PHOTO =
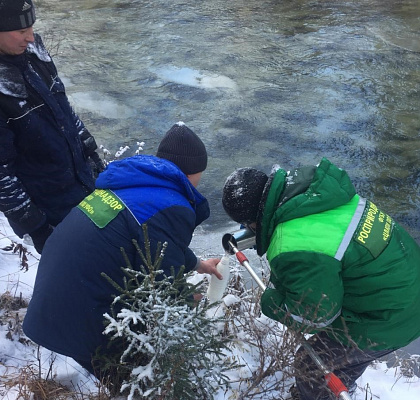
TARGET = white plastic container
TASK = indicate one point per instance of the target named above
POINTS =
(217, 287)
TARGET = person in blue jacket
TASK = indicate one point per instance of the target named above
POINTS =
(48, 160)
(70, 298)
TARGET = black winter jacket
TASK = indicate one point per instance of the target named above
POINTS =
(44, 147)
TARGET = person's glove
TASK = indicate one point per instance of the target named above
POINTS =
(40, 236)
(96, 164)
(88, 142)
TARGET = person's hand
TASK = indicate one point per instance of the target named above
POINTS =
(40, 236)
(209, 267)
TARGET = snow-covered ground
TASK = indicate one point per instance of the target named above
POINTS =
(378, 382)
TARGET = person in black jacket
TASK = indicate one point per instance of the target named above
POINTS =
(70, 298)
(48, 159)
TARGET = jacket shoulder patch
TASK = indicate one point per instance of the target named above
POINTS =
(101, 206)
(374, 230)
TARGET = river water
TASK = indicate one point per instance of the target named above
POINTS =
(262, 82)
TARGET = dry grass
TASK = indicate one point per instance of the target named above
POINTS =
(30, 382)
(8, 302)
(27, 384)
(10, 316)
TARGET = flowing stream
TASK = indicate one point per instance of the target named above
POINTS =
(262, 82)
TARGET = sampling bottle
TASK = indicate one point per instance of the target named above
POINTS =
(217, 287)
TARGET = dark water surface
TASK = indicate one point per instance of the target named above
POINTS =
(262, 82)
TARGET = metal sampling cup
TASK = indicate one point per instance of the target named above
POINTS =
(242, 240)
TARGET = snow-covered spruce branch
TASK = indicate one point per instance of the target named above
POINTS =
(172, 348)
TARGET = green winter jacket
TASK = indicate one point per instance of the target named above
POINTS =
(337, 261)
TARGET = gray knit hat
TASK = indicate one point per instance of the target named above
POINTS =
(184, 148)
(16, 15)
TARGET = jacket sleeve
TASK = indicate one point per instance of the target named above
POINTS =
(174, 226)
(190, 260)
(88, 141)
(15, 202)
(89, 148)
(307, 294)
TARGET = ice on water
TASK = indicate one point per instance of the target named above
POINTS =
(100, 104)
(191, 77)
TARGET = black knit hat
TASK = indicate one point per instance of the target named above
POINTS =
(184, 148)
(242, 194)
(16, 15)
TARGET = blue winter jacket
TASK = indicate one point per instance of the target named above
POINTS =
(44, 147)
(70, 296)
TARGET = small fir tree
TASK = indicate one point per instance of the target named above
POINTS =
(171, 347)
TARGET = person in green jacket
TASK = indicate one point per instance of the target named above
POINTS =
(341, 269)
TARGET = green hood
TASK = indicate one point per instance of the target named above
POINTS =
(314, 188)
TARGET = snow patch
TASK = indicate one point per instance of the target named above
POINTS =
(40, 51)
